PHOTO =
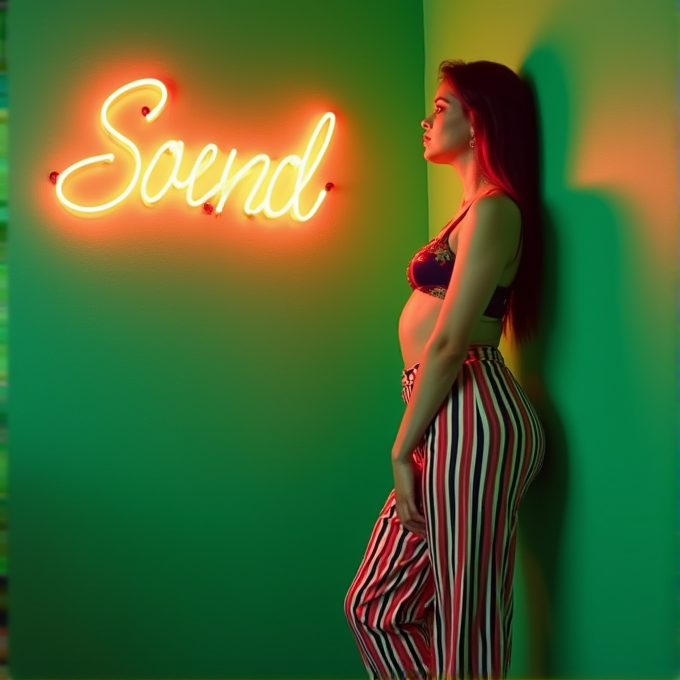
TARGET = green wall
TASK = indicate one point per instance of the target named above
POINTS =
(3, 339)
(202, 410)
(596, 588)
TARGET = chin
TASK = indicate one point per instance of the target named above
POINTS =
(439, 155)
(434, 158)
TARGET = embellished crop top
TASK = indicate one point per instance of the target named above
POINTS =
(431, 268)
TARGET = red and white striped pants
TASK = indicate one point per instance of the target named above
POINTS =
(441, 606)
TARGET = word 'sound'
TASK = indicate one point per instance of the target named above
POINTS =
(304, 167)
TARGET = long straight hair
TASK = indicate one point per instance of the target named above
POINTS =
(502, 111)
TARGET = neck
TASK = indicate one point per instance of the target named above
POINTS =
(474, 185)
(479, 191)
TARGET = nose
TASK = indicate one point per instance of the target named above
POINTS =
(425, 123)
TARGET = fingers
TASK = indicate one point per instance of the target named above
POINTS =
(416, 529)
(411, 518)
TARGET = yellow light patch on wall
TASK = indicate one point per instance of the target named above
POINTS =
(303, 168)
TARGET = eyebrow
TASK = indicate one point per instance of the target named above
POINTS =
(440, 99)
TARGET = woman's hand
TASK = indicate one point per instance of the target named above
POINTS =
(405, 496)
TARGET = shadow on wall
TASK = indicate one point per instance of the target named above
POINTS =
(601, 230)
(542, 513)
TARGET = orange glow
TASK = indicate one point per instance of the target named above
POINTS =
(303, 179)
(228, 185)
(304, 166)
(177, 150)
(124, 141)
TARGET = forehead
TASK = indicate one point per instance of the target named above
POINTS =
(444, 91)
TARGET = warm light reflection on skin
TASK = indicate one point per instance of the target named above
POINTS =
(304, 167)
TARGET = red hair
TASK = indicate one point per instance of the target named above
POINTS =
(500, 107)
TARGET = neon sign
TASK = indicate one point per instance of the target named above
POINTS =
(305, 166)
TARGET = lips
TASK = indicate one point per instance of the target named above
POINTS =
(426, 138)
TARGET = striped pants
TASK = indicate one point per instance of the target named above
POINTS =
(441, 606)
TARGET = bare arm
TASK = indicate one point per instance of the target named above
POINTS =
(485, 245)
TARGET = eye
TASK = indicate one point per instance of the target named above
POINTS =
(438, 109)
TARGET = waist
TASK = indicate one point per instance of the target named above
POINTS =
(474, 353)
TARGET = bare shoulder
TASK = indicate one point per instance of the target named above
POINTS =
(495, 219)
(500, 209)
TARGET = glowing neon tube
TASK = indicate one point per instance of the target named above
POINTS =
(304, 166)
(120, 139)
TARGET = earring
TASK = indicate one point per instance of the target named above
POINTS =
(472, 143)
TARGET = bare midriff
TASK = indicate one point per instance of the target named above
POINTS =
(421, 311)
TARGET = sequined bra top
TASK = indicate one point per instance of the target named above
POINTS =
(431, 268)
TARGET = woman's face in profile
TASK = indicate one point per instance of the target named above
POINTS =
(447, 130)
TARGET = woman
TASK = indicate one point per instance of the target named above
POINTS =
(433, 595)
